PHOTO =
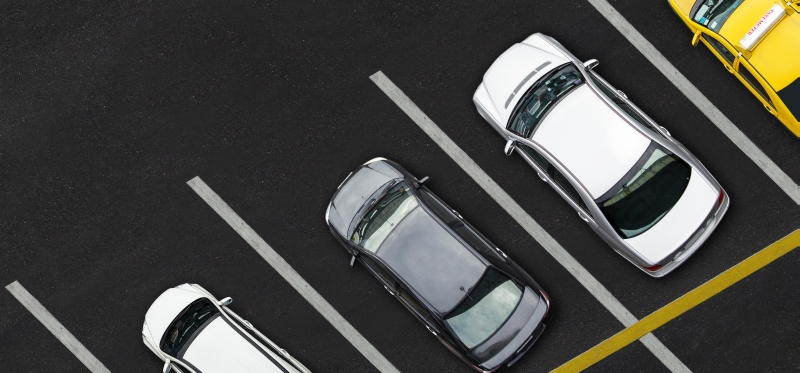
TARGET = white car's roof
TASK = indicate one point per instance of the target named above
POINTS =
(220, 348)
(514, 72)
(591, 140)
(164, 310)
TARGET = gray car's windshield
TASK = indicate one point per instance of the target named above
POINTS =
(714, 13)
(383, 216)
(542, 95)
(485, 308)
(649, 191)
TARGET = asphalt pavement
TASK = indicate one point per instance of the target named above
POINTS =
(107, 109)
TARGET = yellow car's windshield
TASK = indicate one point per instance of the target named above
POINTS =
(714, 13)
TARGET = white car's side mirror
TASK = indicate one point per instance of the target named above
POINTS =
(591, 64)
(510, 145)
(167, 367)
(225, 301)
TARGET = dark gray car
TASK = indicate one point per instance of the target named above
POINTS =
(479, 303)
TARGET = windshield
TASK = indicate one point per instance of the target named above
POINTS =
(181, 330)
(383, 216)
(647, 193)
(541, 97)
(485, 308)
(714, 13)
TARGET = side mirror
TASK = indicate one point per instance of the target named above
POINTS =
(419, 182)
(591, 64)
(353, 260)
(225, 301)
(510, 146)
(696, 37)
(167, 367)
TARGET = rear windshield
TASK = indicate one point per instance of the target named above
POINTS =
(714, 13)
(542, 96)
(646, 193)
(182, 329)
(485, 308)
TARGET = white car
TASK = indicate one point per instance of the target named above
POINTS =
(637, 187)
(191, 331)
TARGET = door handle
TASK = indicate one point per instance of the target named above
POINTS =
(583, 217)
(431, 330)
(769, 109)
(541, 176)
(587, 220)
(389, 290)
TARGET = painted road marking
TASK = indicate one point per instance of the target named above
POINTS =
(526, 221)
(695, 96)
(59, 331)
(679, 306)
(291, 276)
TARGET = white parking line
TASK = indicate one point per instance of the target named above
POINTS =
(695, 96)
(291, 276)
(55, 327)
(526, 221)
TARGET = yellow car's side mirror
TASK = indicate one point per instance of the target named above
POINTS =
(696, 37)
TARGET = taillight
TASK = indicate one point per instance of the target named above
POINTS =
(721, 197)
(654, 268)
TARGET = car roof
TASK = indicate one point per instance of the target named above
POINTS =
(591, 140)
(776, 55)
(219, 347)
(431, 260)
(166, 308)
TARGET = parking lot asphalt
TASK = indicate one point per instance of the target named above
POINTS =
(108, 109)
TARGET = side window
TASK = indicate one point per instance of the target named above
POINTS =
(439, 208)
(411, 300)
(475, 240)
(606, 90)
(379, 271)
(745, 73)
(541, 161)
(632, 112)
(724, 52)
(568, 188)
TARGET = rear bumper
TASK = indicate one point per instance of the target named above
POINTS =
(711, 225)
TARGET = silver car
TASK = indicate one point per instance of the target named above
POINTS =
(626, 177)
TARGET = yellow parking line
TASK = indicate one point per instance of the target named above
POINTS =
(682, 304)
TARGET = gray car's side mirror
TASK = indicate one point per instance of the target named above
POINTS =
(510, 146)
(591, 64)
(423, 180)
(225, 301)
(167, 367)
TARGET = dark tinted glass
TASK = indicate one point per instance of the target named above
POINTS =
(568, 188)
(541, 97)
(648, 195)
(541, 161)
(720, 48)
(197, 314)
(745, 73)
(485, 308)
(444, 212)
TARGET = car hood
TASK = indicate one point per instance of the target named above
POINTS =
(515, 333)
(677, 226)
(777, 54)
(351, 196)
(516, 70)
(221, 348)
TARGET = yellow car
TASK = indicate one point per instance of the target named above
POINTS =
(756, 40)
